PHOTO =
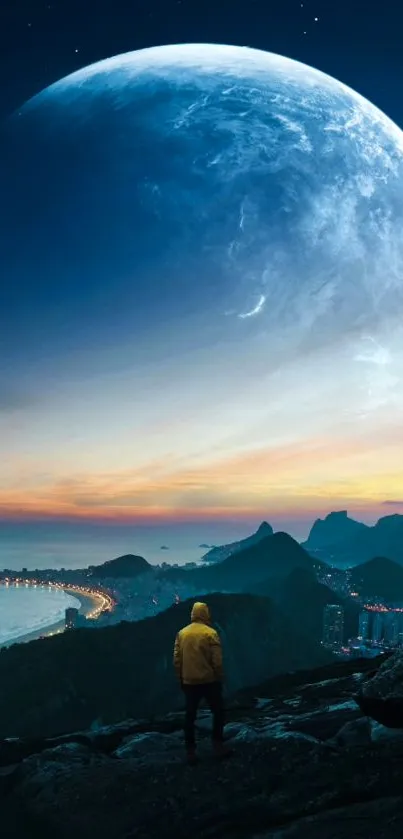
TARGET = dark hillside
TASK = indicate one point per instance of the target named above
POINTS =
(73, 680)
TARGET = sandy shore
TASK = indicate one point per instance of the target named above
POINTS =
(87, 604)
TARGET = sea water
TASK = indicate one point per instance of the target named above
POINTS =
(46, 545)
(25, 609)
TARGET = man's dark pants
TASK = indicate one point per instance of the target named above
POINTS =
(212, 693)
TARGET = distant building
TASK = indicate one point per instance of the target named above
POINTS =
(333, 626)
(364, 625)
(71, 618)
(392, 628)
(378, 627)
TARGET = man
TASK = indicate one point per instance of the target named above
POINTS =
(198, 666)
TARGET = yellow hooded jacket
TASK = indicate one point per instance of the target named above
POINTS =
(197, 650)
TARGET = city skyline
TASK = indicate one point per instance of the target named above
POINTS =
(138, 386)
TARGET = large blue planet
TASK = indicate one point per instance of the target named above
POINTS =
(206, 181)
(197, 215)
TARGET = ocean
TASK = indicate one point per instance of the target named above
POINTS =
(24, 609)
(60, 545)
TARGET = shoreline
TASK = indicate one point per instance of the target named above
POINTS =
(88, 603)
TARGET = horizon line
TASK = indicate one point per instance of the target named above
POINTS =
(244, 516)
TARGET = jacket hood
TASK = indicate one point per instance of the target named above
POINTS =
(201, 612)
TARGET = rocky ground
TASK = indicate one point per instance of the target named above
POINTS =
(306, 763)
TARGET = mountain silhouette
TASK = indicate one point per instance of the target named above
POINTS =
(303, 598)
(364, 542)
(128, 565)
(221, 552)
(380, 577)
(271, 557)
(336, 528)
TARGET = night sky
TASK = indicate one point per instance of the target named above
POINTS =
(109, 410)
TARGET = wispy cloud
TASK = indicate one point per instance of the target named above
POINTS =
(256, 310)
(316, 474)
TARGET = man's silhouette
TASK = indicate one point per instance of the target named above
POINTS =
(199, 668)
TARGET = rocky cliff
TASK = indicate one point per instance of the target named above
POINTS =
(334, 529)
(307, 764)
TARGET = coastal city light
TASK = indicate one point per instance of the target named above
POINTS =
(102, 601)
(106, 601)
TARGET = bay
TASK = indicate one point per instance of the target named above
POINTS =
(25, 609)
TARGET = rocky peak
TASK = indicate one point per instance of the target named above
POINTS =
(219, 553)
(333, 529)
(264, 529)
(394, 523)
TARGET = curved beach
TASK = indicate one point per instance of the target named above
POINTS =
(89, 605)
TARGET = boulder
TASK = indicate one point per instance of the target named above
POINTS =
(235, 729)
(387, 682)
(261, 703)
(14, 749)
(323, 722)
(49, 767)
(245, 734)
(151, 746)
(380, 733)
(381, 694)
(67, 755)
(353, 733)
(292, 735)
(388, 712)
